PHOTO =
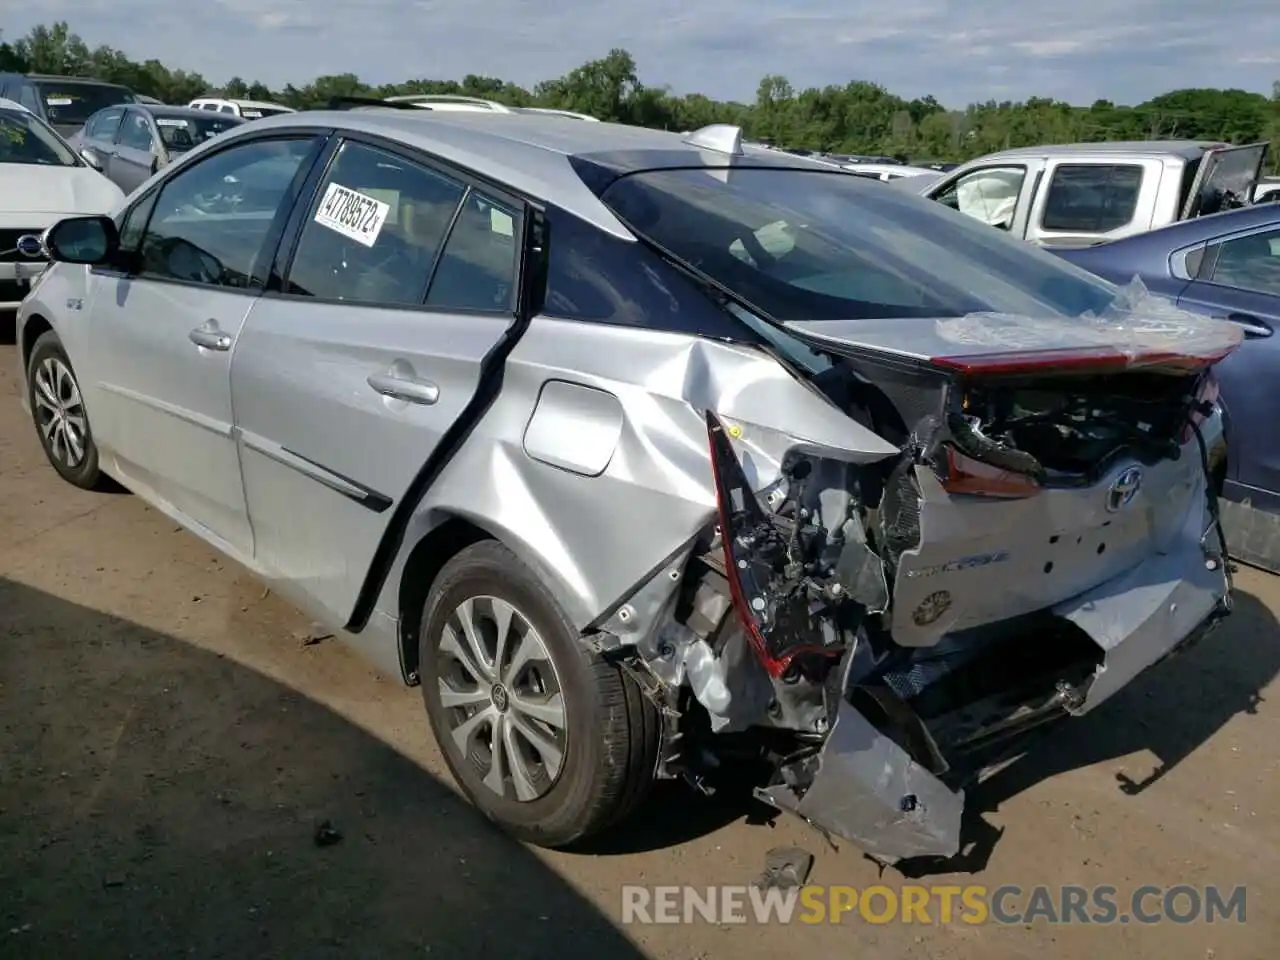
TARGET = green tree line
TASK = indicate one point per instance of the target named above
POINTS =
(860, 117)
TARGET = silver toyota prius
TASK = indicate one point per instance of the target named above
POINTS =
(649, 455)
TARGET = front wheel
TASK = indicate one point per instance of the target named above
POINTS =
(57, 407)
(545, 737)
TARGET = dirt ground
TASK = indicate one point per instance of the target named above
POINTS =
(169, 744)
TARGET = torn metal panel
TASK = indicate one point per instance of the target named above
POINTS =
(869, 791)
(733, 686)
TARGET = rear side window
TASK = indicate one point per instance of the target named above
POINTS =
(135, 132)
(1250, 263)
(477, 269)
(374, 231)
(1092, 198)
(103, 125)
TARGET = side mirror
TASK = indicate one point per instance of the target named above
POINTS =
(84, 240)
(90, 156)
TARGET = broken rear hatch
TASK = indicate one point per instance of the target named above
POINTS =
(1047, 456)
(1043, 530)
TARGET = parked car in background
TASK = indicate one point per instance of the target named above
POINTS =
(1085, 193)
(456, 102)
(42, 180)
(65, 103)
(1267, 190)
(647, 455)
(244, 109)
(129, 143)
(1225, 266)
(887, 171)
(139, 98)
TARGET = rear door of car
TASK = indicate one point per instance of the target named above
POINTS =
(1237, 278)
(1224, 178)
(398, 282)
(1083, 200)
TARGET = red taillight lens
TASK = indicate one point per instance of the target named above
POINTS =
(1075, 361)
(741, 514)
(965, 475)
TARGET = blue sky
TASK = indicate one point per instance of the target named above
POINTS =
(1078, 50)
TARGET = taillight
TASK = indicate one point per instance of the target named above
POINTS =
(963, 474)
(1077, 360)
(743, 518)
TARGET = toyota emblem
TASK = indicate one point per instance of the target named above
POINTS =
(1121, 493)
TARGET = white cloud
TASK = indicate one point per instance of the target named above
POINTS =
(1079, 51)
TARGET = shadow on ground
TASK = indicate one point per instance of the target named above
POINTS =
(1170, 711)
(157, 800)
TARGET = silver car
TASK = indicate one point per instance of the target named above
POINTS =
(648, 455)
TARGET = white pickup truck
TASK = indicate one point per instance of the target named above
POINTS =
(1086, 193)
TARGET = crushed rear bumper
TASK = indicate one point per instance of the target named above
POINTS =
(869, 790)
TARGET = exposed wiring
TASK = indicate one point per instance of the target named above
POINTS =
(1211, 497)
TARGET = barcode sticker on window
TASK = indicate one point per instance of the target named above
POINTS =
(352, 214)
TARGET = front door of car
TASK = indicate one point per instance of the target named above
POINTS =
(1238, 280)
(134, 159)
(998, 194)
(403, 279)
(164, 323)
(99, 135)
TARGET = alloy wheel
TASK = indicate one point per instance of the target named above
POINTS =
(59, 412)
(502, 698)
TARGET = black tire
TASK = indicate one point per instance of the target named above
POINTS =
(611, 733)
(84, 472)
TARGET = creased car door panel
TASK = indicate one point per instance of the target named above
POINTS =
(337, 408)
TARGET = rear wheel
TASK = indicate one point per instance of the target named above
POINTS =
(546, 738)
(57, 407)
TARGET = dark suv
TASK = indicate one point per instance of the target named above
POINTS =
(65, 103)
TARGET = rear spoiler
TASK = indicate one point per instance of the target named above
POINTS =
(354, 103)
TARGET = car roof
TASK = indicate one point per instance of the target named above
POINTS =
(163, 110)
(242, 103)
(538, 155)
(7, 104)
(1185, 232)
(80, 80)
(1186, 149)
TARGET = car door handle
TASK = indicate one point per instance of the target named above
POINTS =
(1253, 327)
(409, 389)
(210, 337)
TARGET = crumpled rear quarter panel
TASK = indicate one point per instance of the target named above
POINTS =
(594, 538)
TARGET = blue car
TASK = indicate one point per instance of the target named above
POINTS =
(1226, 265)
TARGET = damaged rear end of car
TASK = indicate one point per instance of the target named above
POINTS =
(882, 630)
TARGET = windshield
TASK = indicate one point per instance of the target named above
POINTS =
(811, 245)
(71, 102)
(184, 132)
(25, 139)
